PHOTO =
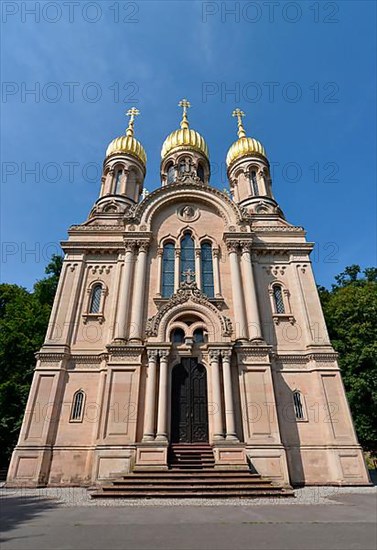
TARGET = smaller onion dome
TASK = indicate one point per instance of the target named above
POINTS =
(128, 143)
(244, 146)
(185, 137)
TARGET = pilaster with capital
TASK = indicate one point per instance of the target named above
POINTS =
(230, 424)
(218, 430)
(160, 254)
(150, 393)
(177, 263)
(251, 299)
(198, 271)
(139, 291)
(216, 272)
(238, 298)
(162, 415)
(124, 301)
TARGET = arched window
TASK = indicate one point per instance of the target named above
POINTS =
(95, 298)
(198, 336)
(200, 172)
(77, 408)
(168, 270)
(170, 173)
(182, 166)
(298, 405)
(187, 255)
(207, 270)
(178, 336)
(278, 299)
(118, 181)
(254, 182)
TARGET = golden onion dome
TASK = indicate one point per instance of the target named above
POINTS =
(244, 145)
(184, 137)
(128, 143)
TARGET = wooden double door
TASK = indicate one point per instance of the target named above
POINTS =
(189, 415)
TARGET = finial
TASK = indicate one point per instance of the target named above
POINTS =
(185, 104)
(239, 114)
(131, 113)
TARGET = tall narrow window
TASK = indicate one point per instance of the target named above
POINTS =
(182, 166)
(297, 402)
(200, 172)
(254, 182)
(177, 336)
(168, 270)
(95, 299)
(207, 270)
(278, 299)
(187, 255)
(170, 174)
(77, 405)
(118, 181)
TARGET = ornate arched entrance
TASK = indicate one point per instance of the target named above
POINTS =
(189, 414)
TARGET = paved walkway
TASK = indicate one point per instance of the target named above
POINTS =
(320, 518)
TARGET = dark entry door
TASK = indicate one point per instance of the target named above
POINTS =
(189, 402)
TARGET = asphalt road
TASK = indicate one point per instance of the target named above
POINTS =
(34, 523)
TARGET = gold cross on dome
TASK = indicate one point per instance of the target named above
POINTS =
(185, 104)
(239, 114)
(131, 113)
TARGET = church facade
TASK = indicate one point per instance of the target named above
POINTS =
(187, 315)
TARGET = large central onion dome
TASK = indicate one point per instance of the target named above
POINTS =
(184, 138)
(244, 146)
(128, 143)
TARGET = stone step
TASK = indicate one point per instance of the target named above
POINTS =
(282, 493)
(187, 474)
(192, 487)
(191, 481)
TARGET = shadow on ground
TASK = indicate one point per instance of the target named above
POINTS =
(15, 510)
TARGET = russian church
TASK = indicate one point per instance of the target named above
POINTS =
(187, 335)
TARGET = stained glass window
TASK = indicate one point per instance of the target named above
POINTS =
(95, 300)
(207, 270)
(168, 270)
(278, 299)
(187, 255)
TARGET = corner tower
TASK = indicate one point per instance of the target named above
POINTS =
(184, 153)
(124, 169)
(248, 172)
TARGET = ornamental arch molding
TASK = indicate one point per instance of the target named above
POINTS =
(217, 325)
(216, 200)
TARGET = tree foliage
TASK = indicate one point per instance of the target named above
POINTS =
(23, 321)
(350, 310)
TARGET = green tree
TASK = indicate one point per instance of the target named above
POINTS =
(23, 322)
(350, 310)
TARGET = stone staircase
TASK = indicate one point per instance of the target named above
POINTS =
(192, 474)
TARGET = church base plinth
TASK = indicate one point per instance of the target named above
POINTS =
(152, 455)
(229, 455)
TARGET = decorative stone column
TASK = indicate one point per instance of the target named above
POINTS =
(160, 254)
(162, 418)
(218, 432)
(252, 311)
(177, 266)
(124, 302)
(216, 272)
(198, 270)
(150, 394)
(139, 292)
(238, 302)
(228, 397)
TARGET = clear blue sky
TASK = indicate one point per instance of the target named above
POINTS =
(304, 73)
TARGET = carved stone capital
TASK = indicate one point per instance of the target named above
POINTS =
(245, 247)
(130, 245)
(232, 247)
(214, 355)
(152, 355)
(143, 245)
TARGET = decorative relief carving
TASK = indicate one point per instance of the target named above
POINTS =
(275, 270)
(100, 269)
(188, 213)
(187, 291)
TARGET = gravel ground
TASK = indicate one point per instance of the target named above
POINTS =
(77, 496)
